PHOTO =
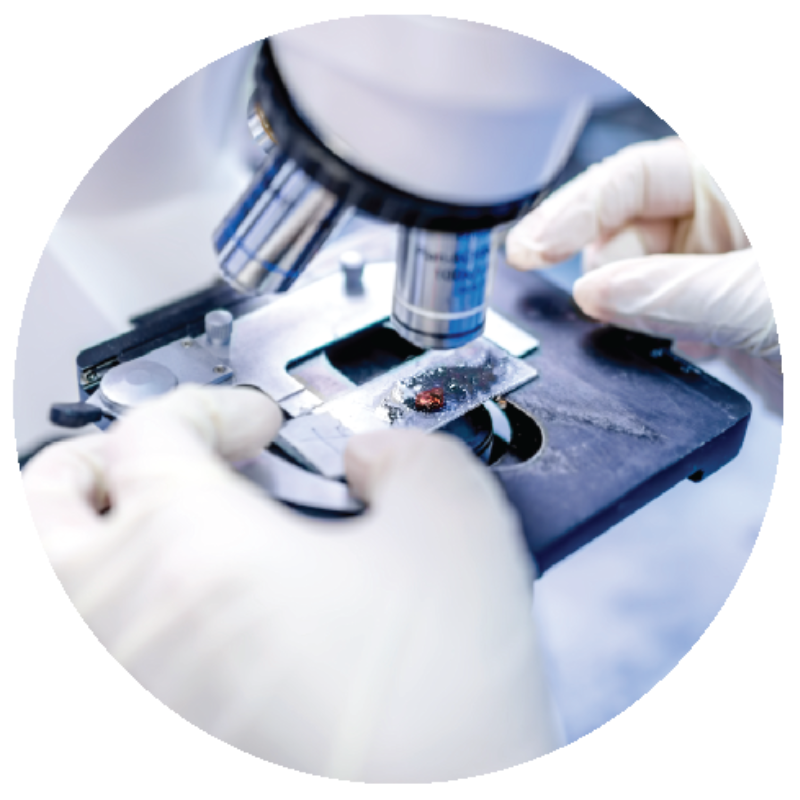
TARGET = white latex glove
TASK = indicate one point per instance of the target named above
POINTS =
(398, 646)
(663, 254)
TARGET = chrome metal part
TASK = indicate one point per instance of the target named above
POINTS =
(219, 326)
(185, 361)
(275, 228)
(442, 286)
(219, 330)
(301, 403)
(259, 127)
(130, 384)
(266, 342)
(321, 378)
(318, 442)
(352, 265)
(298, 486)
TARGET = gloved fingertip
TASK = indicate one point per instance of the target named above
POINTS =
(523, 252)
(367, 454)
(590, 293)
(251, 420)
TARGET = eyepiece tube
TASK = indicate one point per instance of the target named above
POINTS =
(442, 286)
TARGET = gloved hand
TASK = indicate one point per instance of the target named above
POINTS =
(663, 254)
(397, 646)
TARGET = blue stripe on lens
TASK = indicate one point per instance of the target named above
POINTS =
(247, 202)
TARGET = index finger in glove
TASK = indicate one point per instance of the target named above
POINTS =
(182, 439)
(648, 181)
(720, 300)
(643, 238)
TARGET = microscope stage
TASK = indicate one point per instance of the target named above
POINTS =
(581, 423)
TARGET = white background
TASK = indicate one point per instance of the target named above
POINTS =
(74, 75)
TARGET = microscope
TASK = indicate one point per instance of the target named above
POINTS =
(450, 135)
